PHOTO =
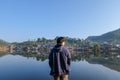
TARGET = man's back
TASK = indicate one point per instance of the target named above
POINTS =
(59, 60)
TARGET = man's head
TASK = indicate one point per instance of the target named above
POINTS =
(61, 40)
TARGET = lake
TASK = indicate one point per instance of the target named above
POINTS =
(20, 67)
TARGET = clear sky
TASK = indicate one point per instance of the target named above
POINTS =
(22, 20)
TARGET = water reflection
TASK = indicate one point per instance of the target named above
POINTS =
(34, 66)
(38, 57)
(109, 61)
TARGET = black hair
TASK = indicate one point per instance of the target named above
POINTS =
(60, 40)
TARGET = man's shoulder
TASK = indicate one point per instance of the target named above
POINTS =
(64, 48)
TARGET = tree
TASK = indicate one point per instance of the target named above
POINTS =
(38, 40)
(44, 40)
(96, 49)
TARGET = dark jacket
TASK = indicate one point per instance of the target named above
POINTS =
(59, 60)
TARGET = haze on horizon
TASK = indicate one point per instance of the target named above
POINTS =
(21, 20)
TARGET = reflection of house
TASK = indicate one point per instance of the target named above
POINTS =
(31, 49)
(113, 63)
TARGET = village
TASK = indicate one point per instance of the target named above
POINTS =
(43, 46)
(45, 49)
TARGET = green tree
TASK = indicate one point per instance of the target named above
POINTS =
(96, 49)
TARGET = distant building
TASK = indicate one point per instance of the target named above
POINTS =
(4, 48)
(11, 48)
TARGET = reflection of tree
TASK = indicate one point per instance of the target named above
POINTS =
(108, 61)
(112, 63)
(2, 54)
(76, 57)
(39, 57)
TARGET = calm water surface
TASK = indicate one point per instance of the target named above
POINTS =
(16, 67)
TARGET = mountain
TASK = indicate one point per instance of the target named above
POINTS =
(111, 37)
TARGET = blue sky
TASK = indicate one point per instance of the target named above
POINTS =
(22, 20)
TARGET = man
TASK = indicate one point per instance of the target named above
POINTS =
(59, 60)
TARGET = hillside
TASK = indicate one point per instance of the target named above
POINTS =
(111, 37)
